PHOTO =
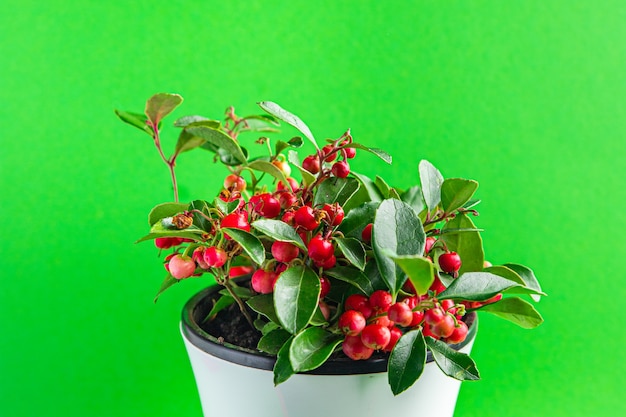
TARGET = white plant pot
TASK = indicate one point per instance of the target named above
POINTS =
(234, 383)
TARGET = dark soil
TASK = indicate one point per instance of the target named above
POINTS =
(231, 326)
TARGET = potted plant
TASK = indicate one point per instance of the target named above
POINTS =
(333, 279)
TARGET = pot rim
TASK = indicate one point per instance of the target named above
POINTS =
(255, 359)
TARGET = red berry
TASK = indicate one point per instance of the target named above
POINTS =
(383, 320)
(265, 205)
(215, 257)
(312, 164)
(349, 153)
(288, 217)
(263, 281)
(418, 317)
(351, 322)
(366, 234)
(340, 169)
(426, 331)
(320, 249)
(181, 266)
(430, 241)
(493, 299)
(334, 214)
(293, 185)
(396, 334)
(437, 286)
(328, 153)
(401, 314)
(284, 251)
(198, 256)
(238, 271)
(325, 286)
(327, 263)
(305, 218)
(450, 262)
(447, 305)
(354, 348)
(163, 242)
(444, 327)
(434, 315)
(360, 303)
(234, 182)
(375, 336)
(459, 334)
(236, 220)
(380, 301)
(325, 309)
(287, 200)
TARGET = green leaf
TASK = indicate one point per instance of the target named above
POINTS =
(455, 364)
(351, 276)
(273, 341)
(476, 286)
(295, 142)
(296, 294)
(528, 276)
(279, 230)
(264, 304)
(268, 168)
(226, 157)
(335, 190)
(220, 139)
(508, 273)
(197, 121)
(431, 181)
(260, 123)
(289, 118)
(226, 207)
(353, 250)
(135, 119)
(455, 192)
(382, 186)
(370, 186)
(407, 361)
(471, 203)
(397, 229)
(222, 302)
(157, 230)
(250, 244)
(167, 282)
(515, 310)
(421, 271)
(357, 218)
(378, 152)
(307, 177)
(413, 197)
(469, 245)
(164, 210)
(187, 142)
(282, 368)
(311, 348)
(160, 105)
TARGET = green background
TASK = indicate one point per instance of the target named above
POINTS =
(527, 97)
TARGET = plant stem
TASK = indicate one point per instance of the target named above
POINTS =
(239, 301)
(171, 162)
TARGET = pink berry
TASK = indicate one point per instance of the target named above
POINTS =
(284, 251)
(354, 348)
(181, 266)
(380, 301)
(263, 281)
(360, 303)
(459, 334)
(401, 314)
(396, 334)
(351, 322)
(215, 257)
(375, 336)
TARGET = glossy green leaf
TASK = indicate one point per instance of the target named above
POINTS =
(260, 123)
(279, 230)
(431, 181)
(353, 250)
(264, 304)
(515, 310)
(455, 192)
(476, 286)
(187, 142)
(295, 142)
(226, 157)
(382, 186)
(356, 219)
(289, 118)
(528, 276)
(311, 348)
(160, 105)
(250, 244)
(226, 207)
(157, 230)
(197, 120)
(508, 273)
(352, 276)
(470, 204)
(220, 139)
(273, 341)
(398, 230)
(268, 168)
(164, 210)
(307, 177)
(421, 271)
(296, 294)
(335, 190)
(406, 362)
(167, 282)
(370, 186)
(221, 303)
(469, 245)
(135, 119)
(453, 363)
(413, 197)
(282, 368)
(378, 152)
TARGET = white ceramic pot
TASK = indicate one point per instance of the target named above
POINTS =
(239, 383)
